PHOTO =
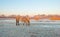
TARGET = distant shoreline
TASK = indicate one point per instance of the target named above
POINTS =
(6, 18)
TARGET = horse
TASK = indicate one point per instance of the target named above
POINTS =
(23, 19)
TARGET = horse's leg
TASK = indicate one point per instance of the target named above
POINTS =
(17, 22)
(23, 23)
(28, 22)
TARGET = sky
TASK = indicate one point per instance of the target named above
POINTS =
(29, 7)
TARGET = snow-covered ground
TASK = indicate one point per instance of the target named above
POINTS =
(39, 28)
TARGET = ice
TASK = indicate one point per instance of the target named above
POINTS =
(8, 28)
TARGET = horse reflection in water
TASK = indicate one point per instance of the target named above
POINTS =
(24, 19)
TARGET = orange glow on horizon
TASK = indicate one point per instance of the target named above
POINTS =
(54, 18)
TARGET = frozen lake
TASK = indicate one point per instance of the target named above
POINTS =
(8, 28)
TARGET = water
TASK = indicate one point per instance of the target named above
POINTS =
(8, 28)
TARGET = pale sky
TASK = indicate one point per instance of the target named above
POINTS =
(29, 7)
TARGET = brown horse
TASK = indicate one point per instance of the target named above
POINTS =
(22, 19)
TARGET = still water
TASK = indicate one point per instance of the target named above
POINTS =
(8, 28)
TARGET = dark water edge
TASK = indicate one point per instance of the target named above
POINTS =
(8, 28)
